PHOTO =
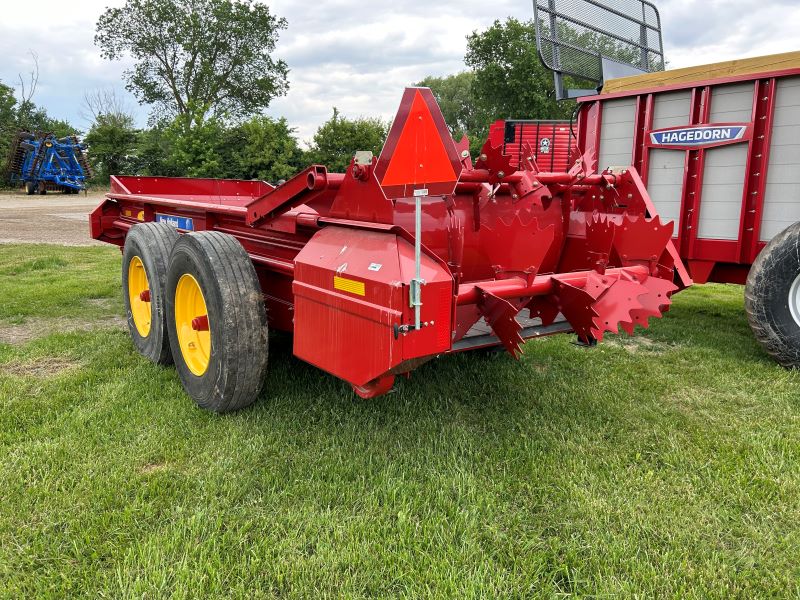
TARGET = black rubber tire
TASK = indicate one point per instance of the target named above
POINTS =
(766, 297)
(30, 188)
(237, 319)
(42, 188)
(152, 243)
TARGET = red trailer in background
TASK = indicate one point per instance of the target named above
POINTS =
(718, 148)
(715, 145)
(552, 142)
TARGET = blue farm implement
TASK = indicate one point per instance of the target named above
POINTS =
(42, 162)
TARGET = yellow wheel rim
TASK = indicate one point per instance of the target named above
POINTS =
(191, 323)
(139, 296)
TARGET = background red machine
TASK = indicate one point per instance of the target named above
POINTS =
(404, 257)
(736, 186)
(715, 145)
(552, 142)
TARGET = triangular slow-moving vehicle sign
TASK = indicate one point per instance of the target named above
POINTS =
(419, 154)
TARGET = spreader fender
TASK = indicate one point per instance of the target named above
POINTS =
(353, 317)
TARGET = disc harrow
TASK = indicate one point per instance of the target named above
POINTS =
(41, 162)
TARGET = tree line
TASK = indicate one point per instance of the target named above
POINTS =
(206, 70)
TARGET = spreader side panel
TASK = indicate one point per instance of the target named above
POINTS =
(352, 303)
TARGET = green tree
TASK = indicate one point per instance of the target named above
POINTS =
(198, 152)
(7, 103)
(263, 148)
(339, 138)
(259, 148)
(153, 155)
(456, 99)
(510, 80)
(197, 59)
(8, 120)
(33, 118)
(112, 143)
(463, 114)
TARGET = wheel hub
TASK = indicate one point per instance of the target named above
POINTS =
(794, 300)
(191, 324)
(139, 296)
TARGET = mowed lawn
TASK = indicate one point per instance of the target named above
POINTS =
(661, 466)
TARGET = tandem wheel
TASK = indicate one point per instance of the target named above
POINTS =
(145, 258)
(217, 321)
(772, 297)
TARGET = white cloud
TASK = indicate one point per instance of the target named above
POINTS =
(717, 30)
(358, 56)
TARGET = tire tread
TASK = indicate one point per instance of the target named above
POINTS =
(245, 339)
(766, 293)
(157, 241)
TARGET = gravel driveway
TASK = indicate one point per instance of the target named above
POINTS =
(53, 218)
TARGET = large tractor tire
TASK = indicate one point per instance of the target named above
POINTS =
(217, 321)
(772, 297)
(145, 259)
(42, 188)
(30, 188)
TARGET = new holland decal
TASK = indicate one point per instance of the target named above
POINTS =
(184, 223)
(701, 135)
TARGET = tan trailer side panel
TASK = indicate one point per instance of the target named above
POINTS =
(666, 171)
(782, 193)
(724, 172)
(616, 133)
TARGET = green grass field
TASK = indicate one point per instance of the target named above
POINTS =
(661, 466)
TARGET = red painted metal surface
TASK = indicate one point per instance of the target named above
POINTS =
(348, 292)
(552, 142)
(694, 167)
(708, 259)
(643, 124)
(590, 121)
(232, 192)
(520, 252)
(756, 169)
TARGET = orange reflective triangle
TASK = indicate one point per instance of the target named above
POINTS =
(420, 156)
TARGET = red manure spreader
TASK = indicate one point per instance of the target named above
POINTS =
(402, 258)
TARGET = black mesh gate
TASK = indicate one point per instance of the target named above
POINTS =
(587, 38)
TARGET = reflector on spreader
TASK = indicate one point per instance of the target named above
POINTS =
(419, 152)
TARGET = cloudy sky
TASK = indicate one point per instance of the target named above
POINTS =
(358, 55)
